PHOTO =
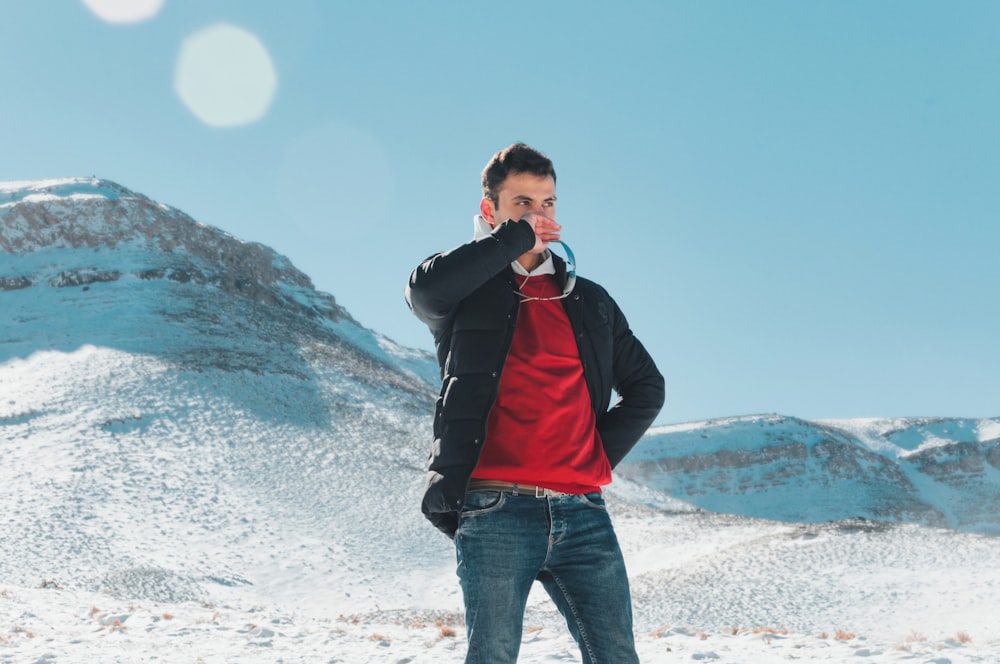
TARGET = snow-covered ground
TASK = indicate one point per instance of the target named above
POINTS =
(852, 597)
(146, 520)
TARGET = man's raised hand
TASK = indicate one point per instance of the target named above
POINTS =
(546, 230)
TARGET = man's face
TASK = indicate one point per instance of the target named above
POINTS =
(520, 194)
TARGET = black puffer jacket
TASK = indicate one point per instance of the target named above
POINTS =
(466, 297)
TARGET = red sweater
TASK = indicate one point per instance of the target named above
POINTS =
(542, 429)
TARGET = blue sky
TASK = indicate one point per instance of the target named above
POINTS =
(795, 203)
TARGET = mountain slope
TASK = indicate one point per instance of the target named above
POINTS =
(177, 391)
(942, 472)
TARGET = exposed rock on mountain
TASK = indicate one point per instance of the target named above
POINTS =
(956, 462)
(97, 214)
(81, 234)
(936, 472)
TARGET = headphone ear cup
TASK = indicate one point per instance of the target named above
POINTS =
(570, 283)
(570, 261)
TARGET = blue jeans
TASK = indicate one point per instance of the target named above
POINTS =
(505, 542)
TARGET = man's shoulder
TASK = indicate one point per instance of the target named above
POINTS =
(589, 287)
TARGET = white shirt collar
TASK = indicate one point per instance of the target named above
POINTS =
(483, 229)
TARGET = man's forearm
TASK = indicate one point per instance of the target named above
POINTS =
(442, 281)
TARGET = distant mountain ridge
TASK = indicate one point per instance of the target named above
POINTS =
(935, 471)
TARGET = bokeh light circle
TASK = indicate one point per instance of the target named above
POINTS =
(225, 76)
(124, 11)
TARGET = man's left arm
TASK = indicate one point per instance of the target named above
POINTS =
(640, 388)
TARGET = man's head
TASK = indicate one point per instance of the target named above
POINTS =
(516, 158)
(516, 181)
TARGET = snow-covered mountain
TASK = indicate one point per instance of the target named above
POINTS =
(203, 456)
(169, 391)
(940, 471)
(160, 263)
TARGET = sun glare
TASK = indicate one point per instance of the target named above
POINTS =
(124, 11)
(225, 76)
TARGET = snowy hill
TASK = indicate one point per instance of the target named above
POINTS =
(942, 472)
(206, 459)
(169, 391)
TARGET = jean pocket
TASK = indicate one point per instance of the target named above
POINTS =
(482, 502)
(594, 499)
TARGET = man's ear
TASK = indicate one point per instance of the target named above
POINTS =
(486, 209)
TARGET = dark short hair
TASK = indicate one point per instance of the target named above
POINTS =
(516, 158)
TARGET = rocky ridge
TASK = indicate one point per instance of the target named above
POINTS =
(99, 214)
(95, 244)
(935, 471)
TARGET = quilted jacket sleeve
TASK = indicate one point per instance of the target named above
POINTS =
(640, 388)
(442, 281)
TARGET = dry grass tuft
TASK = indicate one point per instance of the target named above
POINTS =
(842, 635)
(20, 630)
(767, 633)
(445, 631)
(914, 637)
(659, 632)
(770, 630)
(963, 637)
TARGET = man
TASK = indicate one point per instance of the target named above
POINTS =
(524, 430)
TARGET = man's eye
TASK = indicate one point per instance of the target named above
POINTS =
(548, 204)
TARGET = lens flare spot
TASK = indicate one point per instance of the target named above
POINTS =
(225, 76)
(124, 11)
